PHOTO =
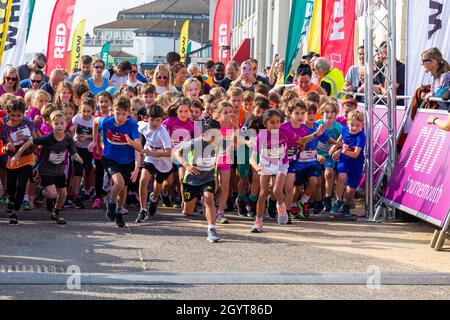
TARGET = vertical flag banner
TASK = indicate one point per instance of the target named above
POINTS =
(14, 53)
(428, 27)
(338, 33)
(301, 14)
(59, 35)
(315, 36)
(5, 14)
(184, 41)
(104, 55)
(32, 3)
(77, 45)
(221, 45)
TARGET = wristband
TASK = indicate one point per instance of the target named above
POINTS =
(434, 121)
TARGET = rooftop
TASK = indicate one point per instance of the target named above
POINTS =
(171, 6)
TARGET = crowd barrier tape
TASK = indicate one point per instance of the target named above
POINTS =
(421, 180)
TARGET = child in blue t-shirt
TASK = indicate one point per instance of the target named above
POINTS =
(351, 162)
(121, 142)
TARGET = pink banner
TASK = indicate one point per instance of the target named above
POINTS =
(421, 181)
(381, 136)
(338, 33)
(221, 45)
(59, 35)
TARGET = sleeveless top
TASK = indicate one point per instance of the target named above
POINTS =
(96, 90)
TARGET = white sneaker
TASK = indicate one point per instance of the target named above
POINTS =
(282, 217)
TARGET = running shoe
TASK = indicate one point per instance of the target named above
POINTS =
(51, 203)
(26, 205)
(166, 200)
(120, 223)
(77, 204)
(111, 211)
(98, 204)
(222, 219)
(337, 207)
(327, 204)
(257, 227)
(152, 206)
(283, 217)
(125, 211)
(251, 209)
(318, 207)
(242, 208)
(13, 220)
(304, 210)
(271, 209)
(177, 204)
(213, 237)
(56, 216)
(141, 216)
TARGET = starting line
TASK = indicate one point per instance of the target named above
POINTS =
(177, 279)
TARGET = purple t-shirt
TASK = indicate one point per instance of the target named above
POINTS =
(33, 112)
(341, 120)
(293, 147)
(273, 149)
(19, 92)
(179, 131)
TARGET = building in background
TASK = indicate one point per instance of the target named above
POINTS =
(148, 32)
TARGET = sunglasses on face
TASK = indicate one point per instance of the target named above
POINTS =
(133, 71)
(426, 60)
(163, 78)
(10, 79)
(36, 81)
(99, 67)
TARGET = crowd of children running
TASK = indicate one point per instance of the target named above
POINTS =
(282, 157)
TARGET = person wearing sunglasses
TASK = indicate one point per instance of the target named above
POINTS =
(133, 81)
(163, 80)
(38, 63)
(86, 69)
(35, 82)
(10, 83)
(98, 83)
(118, 75)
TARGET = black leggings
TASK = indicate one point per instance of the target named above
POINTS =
(99, 174)
(16, 181)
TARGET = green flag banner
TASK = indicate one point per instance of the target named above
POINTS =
(105, 53)
(30, 15)
(301, 14)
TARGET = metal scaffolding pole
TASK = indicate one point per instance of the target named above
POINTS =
(383, 19)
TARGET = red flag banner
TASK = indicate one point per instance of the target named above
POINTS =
(338, 32)
(221, 46)
(59, 34)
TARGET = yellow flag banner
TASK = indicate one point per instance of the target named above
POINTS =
(5, 15)
(77, 46)
(184, 41)
(316, 25)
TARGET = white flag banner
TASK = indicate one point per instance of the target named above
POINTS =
(17, 35)
(428, 27)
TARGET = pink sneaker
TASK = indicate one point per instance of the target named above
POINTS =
(98, 204)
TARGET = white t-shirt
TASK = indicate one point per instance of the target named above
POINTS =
(162, 90)
(115, 79)
(157, 140)
(83, 128)
(134, 84)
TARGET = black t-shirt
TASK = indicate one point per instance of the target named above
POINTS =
(326, 86)
(52, 161)
(379, 79)
(226, 83)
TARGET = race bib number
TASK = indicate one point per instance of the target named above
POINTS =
(308, 156)
(18, 136)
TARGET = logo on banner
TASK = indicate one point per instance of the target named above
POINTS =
(12, 30)
(338, 32)
(223, 41)
(434, 21)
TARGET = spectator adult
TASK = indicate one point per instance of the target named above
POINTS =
(209, 72)
(163, 80)
(276, 73)
(332, 79)
(193, 70)
(439, 69)
(247, 80)
(231, 74)
(261, 78)
(443, 124)
(118, 75)
(352, 79)
(381, 65)
(133, 81)
(38, 63)
(35, 82)
(10, 83)
(56, 77)
(98, 83)
(179, 72)
(219, 74)
(86, 69)
(173, 58)
(305, 85)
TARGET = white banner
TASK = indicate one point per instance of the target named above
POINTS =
(428, 27)
(17, 35)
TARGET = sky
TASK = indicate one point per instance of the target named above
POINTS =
(96, 12)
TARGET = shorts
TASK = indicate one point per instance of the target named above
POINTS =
(87, 162)
(58, 181)
(196, 192)
(244, 171)
(329, 164)
(160, 177)
(273, 170)
(354, 172)
(292, 166)
(176, 167)
(302, 176)
(111, 168)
